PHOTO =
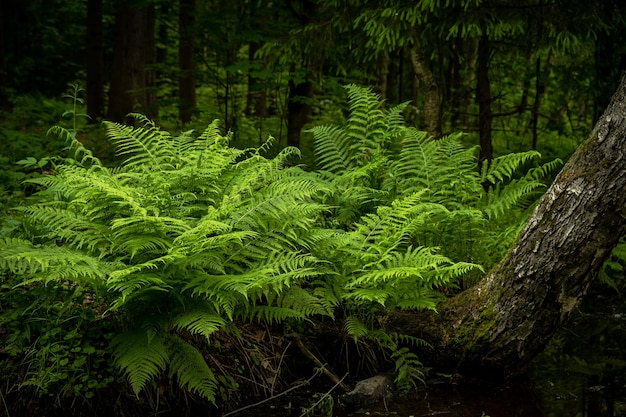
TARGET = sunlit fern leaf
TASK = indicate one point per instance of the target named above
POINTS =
(140, 356)
(503, 167)
(517, 192)
(366, 120)
(199, 321)
(74, 229)
(303, 301)
(416, 300)
(331, 148)
(81, 154)
(190, 368)
(272, 314)
(146, 147)
(47, 263)
(137, 285)
(367, 296)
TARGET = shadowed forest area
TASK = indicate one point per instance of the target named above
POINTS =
(247, 207)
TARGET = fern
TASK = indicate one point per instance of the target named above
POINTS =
(188, 235)
(141, 356)
(190, 368)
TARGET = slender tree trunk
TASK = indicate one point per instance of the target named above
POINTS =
(95, 61)
(465, 100)
(132, 80)
(164, 72)
(186, 79)
(499, 325)
(152, 104)
(4, 99)
(534, 120)
(428, 83)
(256, 99)
(454, 99)
(383, 75)
(483, 97)
(299, 109)
(393, 78)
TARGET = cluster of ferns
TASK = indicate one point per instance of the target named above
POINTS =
(189, 236)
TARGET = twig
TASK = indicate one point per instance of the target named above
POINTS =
(324, 396)
(334, 378)
(317, 372)
(278, 369)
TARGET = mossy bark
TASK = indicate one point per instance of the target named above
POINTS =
(499, 325)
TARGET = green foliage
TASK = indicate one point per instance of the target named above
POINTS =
(408, 368)
(415, 192)
(55, 334)
(188, 235)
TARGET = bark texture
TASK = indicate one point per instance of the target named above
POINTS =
(432, 105)
(501, 324)
(132, 79)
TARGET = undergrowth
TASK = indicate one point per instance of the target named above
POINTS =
(150, 263)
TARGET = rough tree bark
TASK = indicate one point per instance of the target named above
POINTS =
(499, 325)
(432, 104)
(132, 78)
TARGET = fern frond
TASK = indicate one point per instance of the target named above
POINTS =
(503, 167)
(190, 368)
(198, 321)
(146, 147)
(141, 356)
(331, 148)
(81, 154)
(408, 369)
(355, 327)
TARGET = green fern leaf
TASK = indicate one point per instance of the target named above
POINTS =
(190, 368)
(141, 357)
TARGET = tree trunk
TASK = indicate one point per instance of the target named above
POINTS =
(256, 98)
(186, 79)
(454, 71)
(299, 108)
(95, 61)
(432, 106)
(499, 325)
(383, 75)
(132, 80)
(483, 97)
(5, 104)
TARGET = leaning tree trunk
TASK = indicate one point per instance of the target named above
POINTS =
(499, 325)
